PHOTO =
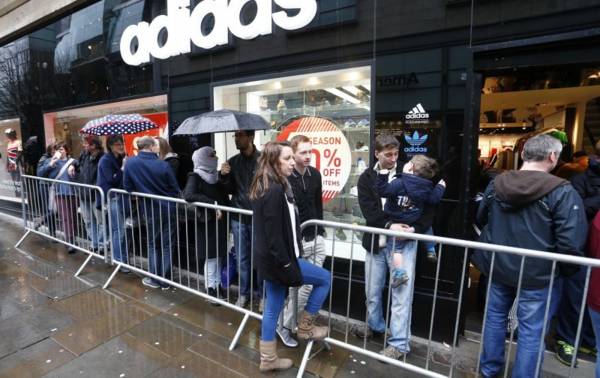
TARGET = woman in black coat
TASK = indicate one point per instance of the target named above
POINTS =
(210, 225)
(278, 248)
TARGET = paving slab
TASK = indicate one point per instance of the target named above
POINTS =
(35, 361)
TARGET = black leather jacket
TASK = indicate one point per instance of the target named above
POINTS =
(238, 181)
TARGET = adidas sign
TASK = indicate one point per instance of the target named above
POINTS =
(417, 113)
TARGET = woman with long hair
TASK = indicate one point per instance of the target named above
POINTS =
(278, 251)
(66, 203)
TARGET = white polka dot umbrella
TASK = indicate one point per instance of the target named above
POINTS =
(118, 124)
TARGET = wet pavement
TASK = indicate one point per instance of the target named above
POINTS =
(53, 324)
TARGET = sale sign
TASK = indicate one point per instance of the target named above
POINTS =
(331, 151)
(161, 119)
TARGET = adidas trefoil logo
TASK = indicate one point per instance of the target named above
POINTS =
(416, 139)
(418, 112)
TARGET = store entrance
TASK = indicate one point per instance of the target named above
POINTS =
(517, 104)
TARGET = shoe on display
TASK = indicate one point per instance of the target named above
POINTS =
(564, 352)
(399, 277)
(349, 123)
(363, 123)
(285, 335)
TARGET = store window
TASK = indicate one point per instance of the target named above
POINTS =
(12, 162)
(333, 108)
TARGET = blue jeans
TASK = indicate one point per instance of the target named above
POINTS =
(276, 293)
(376, 267)
(595, 320)
(569, 309)
(242, 239)
(119, 210)
(530, 313)
(430, 246)
(93, 223)
(161, 237)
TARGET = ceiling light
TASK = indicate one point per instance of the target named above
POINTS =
(343, 95)
(354, 75)
(313, 81)
(277, 85)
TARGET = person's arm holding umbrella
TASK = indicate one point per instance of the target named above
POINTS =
(227, 179)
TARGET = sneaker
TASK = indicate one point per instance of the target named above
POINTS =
(564, 352)
(242, 301)
(71, 251)
(392, 352)
(588, 351)
(286, 337)
(147, 281)
(432, 256)
(399, 277)
(124, 270)
(213, 293)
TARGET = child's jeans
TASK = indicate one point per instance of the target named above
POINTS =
(400, 243)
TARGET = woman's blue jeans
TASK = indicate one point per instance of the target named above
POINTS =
(276, 293)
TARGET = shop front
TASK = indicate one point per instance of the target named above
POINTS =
(439, 77)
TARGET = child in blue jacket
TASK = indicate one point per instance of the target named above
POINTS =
(406, 196)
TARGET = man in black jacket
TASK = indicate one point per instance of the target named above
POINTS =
(86, 171)
(378, 260)
(532, 209)
(587, 184)
(236, 175)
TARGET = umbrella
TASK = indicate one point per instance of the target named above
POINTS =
(221, 121)
(118, 124)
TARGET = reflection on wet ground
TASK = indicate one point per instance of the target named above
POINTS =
(53, 324)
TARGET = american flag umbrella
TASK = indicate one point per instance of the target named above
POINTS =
(118, 124)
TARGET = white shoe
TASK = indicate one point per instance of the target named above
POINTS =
(285, 335)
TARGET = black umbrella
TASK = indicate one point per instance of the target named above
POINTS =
(221, 121)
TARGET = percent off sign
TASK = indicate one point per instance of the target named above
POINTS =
(331, 151)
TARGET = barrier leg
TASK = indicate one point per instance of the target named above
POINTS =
(22, 239)
(305, 359)
(112, 275)
(238, 333)
(83, 265)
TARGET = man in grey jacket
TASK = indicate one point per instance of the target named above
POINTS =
(532, 209)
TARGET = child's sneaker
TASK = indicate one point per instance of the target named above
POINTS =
(432, 256)
(399, 277)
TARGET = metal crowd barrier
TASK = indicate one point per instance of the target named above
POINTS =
(443, 242)
(66, 213)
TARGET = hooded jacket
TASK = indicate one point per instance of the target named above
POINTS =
(533, 210)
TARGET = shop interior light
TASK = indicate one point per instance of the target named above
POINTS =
(594, 75)
(352, 89)
(354, 75)
(343, 95)
(313, 81)
(277, 85)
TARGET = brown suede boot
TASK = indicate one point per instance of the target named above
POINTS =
(268, 357)
(307, 330)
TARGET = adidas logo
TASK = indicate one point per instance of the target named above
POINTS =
(416, 139)
(418, 112)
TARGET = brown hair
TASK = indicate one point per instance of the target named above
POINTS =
(268, 170)
(424, 166)
(64, 145)
(385, 141)
(297, 139)
(163, 147)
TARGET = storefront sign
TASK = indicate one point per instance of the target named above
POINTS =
(416, 142)
(397, 81)
(183, 25)
(331, 151)
(417, 115)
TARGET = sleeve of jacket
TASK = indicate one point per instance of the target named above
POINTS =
(273, 209)
(228, 181)
(127, 182)
(43, 168)
(388, 189)
(319, 195)
(569, 222)
(425, 222)
(370, 203)
(482, 211)
(436, 195)
(172, 186)
(191, 192)
(591, 201)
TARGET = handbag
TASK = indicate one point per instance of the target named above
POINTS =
(52, 191)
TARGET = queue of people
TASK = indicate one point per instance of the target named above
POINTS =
(283, 190)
